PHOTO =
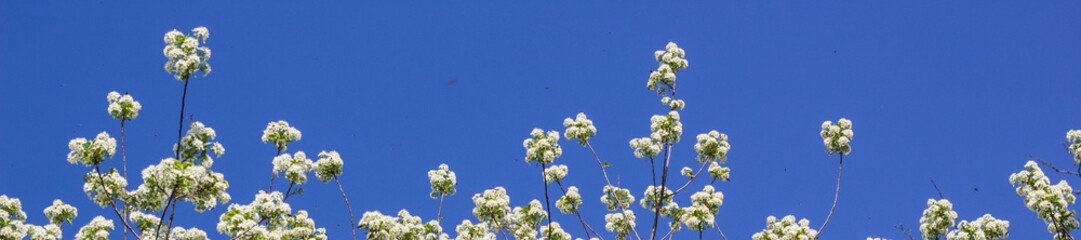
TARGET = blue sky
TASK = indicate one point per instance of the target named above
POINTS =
(964, 92)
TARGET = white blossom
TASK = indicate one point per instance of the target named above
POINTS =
(268, 216)
(404, 226)
(492, 207)
(468, 231)
(194, 183)
(672, 103)
(11, 218)
(1050, 202)
(666, 128)
(184, 55)
(295, 166)
(620, 223)
(60, 212)
(123, 107)
(937, 218)
(281, 134)
(580, 128)
(328, 166)
(443, 181)
(555, 173)
(652, 198)
(555, 231)
(524, 221)
(97, 229)
(570, 201)
(670, 61)
(837, 137)
(616, 197)
(718, 172)
(709, 198)
(645, 147)
(696, 217)
(712, 146)
(102, 188)
(786, 228)
(542, 147)
(687, 172)
(198, 145)
(91, 152)
(1073, 137)
(47, 232)
(986, 227)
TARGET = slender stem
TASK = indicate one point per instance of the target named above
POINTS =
(352, 221)
(180, 129)
(273, 174)
(172, 213)
(653, 170)
(288, 191)
(168, 202)
(940, 196)
(547, 202)
(439, 211)
(699, 234)
(664, 183)
(123, 219)
(124, 161)
(718, 227)
(693, 177)
(836, 194)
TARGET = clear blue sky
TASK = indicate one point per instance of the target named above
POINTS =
(964, 92)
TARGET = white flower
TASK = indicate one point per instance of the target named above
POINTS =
(492, 207)
(696, 217)
(201, 33)
(103, 188)
(193, 183)
(1073, 137)
(60, 212)
(621, 223)
(580, 128)
(670, 60)
(937, 218)
(687, 172)
(123, 107)
(247, 221)
(524, 221)
(542, 147)
(616, 197)
(198, 145)
(468, 231)
(555, 231)
(1050, 202)
(183, 54)
(294, 166)
(97, 229)
(555, 173)
(786, 228)
(672, 103)
(570, 201)
(47, 232)
(443, 181)
(836, 137)
(712, 146)
(708, 198)
(281, 134)
(329, 166)
(91, 153)
(645, 147)
(986, 227)
(718, 172)
(666, 128)
(652, 198)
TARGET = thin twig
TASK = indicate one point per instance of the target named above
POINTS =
(547, 202)
(352, 218)
(836, 194)
(272, 173)
(718, 227)
(180, 129)
(585, 226)
(940, 196)
(907, 233)
(439, 211)
(693, 177)
(124, 161)
(123, 219)
(664, 183)
(1052, 166)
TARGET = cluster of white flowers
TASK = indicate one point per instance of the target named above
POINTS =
(194, 183)
(786, 228)
(671, 60)
(61, 212)
(184, 55)
(555, 173)
(709, 198)
(468, 231)
(836, 137)
(97, 229)
(329, 166)
(645, 147)
(718, 172)
(666, 128)
(937, 218)
(180, 233)
(712, 146)
(198, 143)
(616, 197)
(244, 221)
(143, 222)
(580, 128)
(295, 167)
(704, 206)
(1050, 202)
(687, 172)
(570, 201)
(404, 226)
(542, 147)
(11, 218)
(986, 227)
(651, 199)
(102, 189)
(281, 134)
(524, 221)
(91, 152)
(696, 217)
(672, 103)
(1074, 139)
(555, 231)
(47, 232)
(621, 223)
(123, 107)
(492, 207)
(443, 181)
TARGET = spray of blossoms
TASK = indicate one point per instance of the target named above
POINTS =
(836, 138)
(123, 108)
(268, 217)
(329, 166)
(786, 228)
(13, 223)
(185, 57)
(443, 182)
(544, 148)
(1050, 202)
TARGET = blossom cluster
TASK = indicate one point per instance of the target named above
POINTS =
(542, 147)
(718, 172)
(786, 228)
(198, 144)
(123, 107)
(712, 146)
(102, 188)
(836, 137)
(670, 61)
(404, 226)
(1050, 202)
(570, 201)
(13, 225)
(666, 128)
(443, 181)
(652, 198)
(580, 128)
(184, 180)
(645, 147)
(295, 167)
(622, 223)
(61, 212)
(281, 134)
(469, 231)
(91, 152)
(524, 221)
(555, 173)
(244, 221)
(555, 231)
(937, 218)
(616, 197)
(986, 227)
(672, 103)
(1073, 137)
(183, 54)
(328, 166)
(700, 215)
(492, 207)
(97, 229)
